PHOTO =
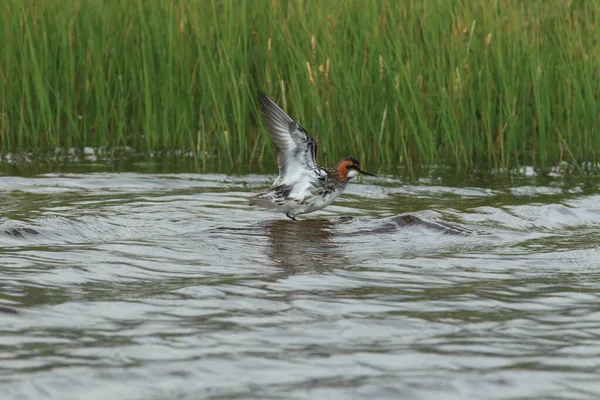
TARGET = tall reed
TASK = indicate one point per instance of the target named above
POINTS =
(470, 83)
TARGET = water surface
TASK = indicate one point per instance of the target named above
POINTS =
(163, 286)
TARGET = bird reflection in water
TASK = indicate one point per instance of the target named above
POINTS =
(310, 245)
(304, 246)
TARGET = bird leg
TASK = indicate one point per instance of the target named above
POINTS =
(290, 217)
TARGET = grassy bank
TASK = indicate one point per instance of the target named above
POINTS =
(472, 83)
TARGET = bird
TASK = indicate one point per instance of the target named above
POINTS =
(302, 186)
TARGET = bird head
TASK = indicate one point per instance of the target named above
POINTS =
(349, 168)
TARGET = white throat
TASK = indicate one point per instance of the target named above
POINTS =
(352, 174)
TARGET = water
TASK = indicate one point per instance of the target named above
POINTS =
(164, 286)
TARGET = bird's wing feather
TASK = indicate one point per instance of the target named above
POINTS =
(296, 149)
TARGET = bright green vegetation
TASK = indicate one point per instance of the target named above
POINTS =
(471, 83)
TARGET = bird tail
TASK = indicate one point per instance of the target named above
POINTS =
(265, 202)
(259, 201)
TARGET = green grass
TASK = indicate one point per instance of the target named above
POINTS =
(466, 84)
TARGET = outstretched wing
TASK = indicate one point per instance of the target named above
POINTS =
(296, 149)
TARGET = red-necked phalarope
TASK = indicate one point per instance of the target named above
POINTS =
(302, 185)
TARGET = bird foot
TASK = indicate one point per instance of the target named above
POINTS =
(290, 217)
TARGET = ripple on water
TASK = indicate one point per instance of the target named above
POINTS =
(163, 286)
